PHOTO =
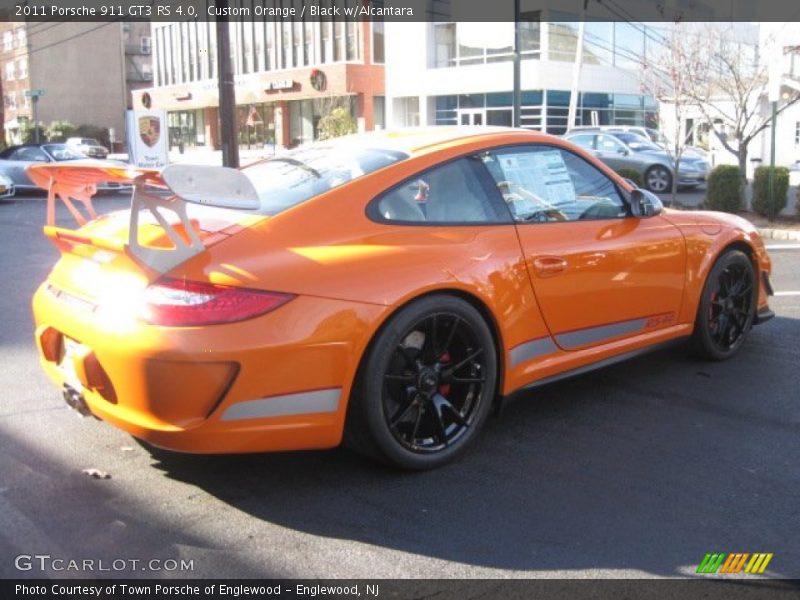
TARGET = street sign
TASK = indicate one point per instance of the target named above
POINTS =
(34, 93)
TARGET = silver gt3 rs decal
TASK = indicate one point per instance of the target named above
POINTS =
(583, 337)
(319, 401)
(530, 350)
(592, 335)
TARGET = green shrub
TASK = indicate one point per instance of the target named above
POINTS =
(761, 202)
(631, 174)
(723, 191)
(28, 133)
(336, 123)
(59, 131)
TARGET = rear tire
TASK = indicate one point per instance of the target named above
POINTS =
(658, 179)
(426, 386)
(727, 307)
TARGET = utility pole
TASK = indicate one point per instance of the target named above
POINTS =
(775, 75)
(227, 93)
(576, 70)
(35, 101)
(517, 69)
(771, 205)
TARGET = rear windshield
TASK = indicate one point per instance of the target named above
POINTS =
(295, 176)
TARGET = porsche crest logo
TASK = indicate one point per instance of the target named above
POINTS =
(149, 130)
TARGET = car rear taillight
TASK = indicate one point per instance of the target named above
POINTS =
(175, 302)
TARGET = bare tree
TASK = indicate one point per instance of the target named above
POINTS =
(728, 85)
(665, 76)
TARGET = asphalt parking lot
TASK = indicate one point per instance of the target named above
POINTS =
(637, 470)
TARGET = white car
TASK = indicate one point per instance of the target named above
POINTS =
(88, 146)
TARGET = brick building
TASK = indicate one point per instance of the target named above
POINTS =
(86, 70)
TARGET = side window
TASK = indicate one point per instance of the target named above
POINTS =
(584, 141)
(548, 184)
(454, 192)
(608, 144)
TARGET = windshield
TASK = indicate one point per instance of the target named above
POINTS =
(635, 142)
(62, 152)
(294, 177)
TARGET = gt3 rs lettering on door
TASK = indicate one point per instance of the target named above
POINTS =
(598, 273)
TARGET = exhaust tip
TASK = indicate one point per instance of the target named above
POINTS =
(76, 402)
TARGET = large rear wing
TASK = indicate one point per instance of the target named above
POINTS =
(164, 194)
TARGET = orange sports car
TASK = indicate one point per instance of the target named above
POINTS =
(386, 289)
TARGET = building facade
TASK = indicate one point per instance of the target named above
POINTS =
(288, 74)
(86, 72)
(462, 73)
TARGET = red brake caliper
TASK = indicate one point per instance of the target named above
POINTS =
(444, 389)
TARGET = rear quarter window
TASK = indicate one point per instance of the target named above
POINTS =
(298, 175)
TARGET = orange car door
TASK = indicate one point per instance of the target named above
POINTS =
(598, 274)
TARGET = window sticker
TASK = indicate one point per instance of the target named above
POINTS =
(543, 174)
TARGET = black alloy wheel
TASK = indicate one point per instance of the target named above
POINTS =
(427, 385)
(727, 308)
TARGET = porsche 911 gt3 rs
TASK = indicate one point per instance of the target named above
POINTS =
(383, 288)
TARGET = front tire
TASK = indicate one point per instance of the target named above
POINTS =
(727, 307)
(426, 386)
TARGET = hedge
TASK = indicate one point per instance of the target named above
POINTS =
(761, 202)
(631, 174)
(723, 191)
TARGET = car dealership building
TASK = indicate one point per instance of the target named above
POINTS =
(287, 75)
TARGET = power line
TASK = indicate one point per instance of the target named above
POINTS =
(30, 51)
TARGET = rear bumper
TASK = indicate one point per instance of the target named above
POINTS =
(277, 382)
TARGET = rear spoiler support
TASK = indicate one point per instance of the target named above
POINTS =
(68, 193)
(211, 186)
(161, 259)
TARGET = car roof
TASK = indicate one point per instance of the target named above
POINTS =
(416, 141)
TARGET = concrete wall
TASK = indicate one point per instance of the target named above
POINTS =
(81, 68)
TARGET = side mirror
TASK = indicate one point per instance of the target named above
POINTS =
(645, 204)
(623, 151)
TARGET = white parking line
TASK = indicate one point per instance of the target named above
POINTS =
(783, 247)
(787, 293)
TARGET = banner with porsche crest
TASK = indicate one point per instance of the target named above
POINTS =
(147, 138)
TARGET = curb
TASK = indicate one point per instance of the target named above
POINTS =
(780, 234)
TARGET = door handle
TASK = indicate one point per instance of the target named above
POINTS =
(548, 266)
